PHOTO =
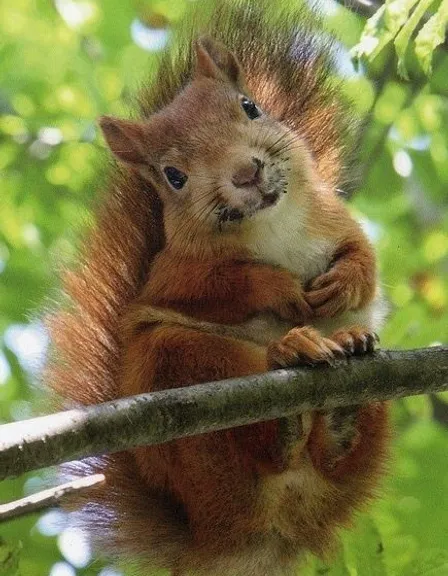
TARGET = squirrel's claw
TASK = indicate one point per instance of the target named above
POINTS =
(356, 340)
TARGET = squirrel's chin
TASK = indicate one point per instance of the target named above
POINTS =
(268, 201)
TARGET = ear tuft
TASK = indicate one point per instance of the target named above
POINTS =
(125, 139)
(214, 60)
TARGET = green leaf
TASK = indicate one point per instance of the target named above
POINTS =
(443, 397)
(392, 22)
(364, 549)
(419, 406)
(9, 558)
(403, 37)
(382, 27)
(430, 36)
(369, 43)
(430, 563)
(397, 13)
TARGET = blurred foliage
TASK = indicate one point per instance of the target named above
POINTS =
(397, 21)
(65, 63)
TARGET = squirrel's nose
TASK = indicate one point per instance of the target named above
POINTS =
(248, 174)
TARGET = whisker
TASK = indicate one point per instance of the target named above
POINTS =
(288, 147)
(282, 137)
(193, 223)
(292, 139)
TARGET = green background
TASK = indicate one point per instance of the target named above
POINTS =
(62, 65)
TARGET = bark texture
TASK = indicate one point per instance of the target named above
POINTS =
(163, 416)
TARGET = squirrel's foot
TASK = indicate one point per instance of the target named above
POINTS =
(303, 346)
(355, 340)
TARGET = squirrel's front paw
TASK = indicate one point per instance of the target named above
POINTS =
(296, 310)
(302, 346)
(355, 340)
(333, 293)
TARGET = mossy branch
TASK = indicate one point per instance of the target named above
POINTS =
(163, 416)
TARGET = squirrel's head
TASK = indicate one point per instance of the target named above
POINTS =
(216, 159)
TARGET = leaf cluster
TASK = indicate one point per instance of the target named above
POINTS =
(405, 22)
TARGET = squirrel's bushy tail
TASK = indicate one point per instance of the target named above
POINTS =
(288, 63)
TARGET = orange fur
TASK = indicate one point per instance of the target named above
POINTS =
(206, 289)
(227, 275)
(350, 284)
(216, 477)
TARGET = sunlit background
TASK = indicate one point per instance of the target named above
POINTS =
(64, 63)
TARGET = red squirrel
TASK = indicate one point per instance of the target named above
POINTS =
(222, 249)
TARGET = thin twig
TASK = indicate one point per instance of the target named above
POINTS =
(47, 498)
(366, 8)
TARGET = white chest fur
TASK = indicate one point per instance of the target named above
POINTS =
(264, 328)
(281, 238)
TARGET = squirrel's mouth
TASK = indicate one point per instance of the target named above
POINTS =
(227, 213)
(244, 203)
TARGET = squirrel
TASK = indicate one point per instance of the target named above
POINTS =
(223, 249)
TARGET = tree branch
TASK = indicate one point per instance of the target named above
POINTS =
(163, 416)
(47, 498)
(366, 8)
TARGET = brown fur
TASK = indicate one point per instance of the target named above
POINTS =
(171, 291)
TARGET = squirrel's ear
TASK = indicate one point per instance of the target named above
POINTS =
(125, 139)
(213, 60)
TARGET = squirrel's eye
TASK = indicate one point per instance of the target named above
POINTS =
(250, 108)
(175, 177)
